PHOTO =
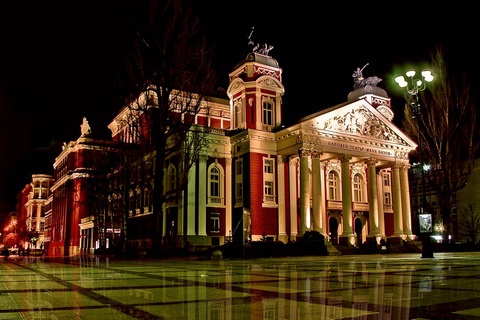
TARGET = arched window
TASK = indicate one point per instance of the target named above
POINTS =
(357, 188)
(333, 192)
(215, 184)
(171, 177)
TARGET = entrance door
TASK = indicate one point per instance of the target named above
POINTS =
(358, 231)
(333, 228)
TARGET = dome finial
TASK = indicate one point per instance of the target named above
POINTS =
(258, 48)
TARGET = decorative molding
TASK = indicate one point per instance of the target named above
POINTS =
(363, 122)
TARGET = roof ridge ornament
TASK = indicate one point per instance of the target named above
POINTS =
(258, 48)
(361, 82)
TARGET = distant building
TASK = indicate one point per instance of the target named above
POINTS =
(75, 196)
(35, 207)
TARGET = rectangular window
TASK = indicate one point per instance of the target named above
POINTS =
(267, 113)
(388, 198)
(269, 180)
(386, 180)
(239, 181)
(215, 222)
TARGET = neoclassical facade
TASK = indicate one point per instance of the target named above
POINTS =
(341, 171)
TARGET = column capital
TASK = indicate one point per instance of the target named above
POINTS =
(345, 157)
(316, 154)
(371, 162)
(228, 161)
(203, 158)
(292, 160)
(404, 166)
(304, 152)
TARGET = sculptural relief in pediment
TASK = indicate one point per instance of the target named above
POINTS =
(361, 121)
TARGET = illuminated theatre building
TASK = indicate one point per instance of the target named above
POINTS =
(341, 171)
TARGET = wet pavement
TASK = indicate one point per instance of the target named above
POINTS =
(402, 286)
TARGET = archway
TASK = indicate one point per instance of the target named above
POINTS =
(333, 230)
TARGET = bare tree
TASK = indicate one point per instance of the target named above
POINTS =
(469, 222)
(449, 129)
(168, 75)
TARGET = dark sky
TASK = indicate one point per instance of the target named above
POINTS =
(58, 60)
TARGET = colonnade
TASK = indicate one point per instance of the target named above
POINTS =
(310, 190)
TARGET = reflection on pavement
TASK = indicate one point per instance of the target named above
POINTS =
(354, 287)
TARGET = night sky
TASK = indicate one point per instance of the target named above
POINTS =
(58, 61)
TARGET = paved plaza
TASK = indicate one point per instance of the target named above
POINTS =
(402, 286)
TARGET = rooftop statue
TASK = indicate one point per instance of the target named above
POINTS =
(258, 48)
(85, 128)
(361, 82)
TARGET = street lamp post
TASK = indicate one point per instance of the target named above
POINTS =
(413, 86)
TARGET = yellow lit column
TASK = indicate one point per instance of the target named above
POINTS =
(380, 198)
(202, 196)
(228, 197)
(397, 201)
(317, 198)
(372, 198)
(191, 191)
(407, 217)
(282, 231)
(292, 178)
(347, 237)
(304, 191)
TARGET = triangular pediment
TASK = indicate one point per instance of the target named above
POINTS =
(359, 120)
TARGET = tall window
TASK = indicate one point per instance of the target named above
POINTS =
(238, 113)
(387, 192)
(215, 184)
(239, 181)
(171, 177)
(269, 180)
(333, 193)
(357, 188)
(267, 113)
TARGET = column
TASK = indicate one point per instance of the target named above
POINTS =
(202, 196)
(372, 198)
(347, 237)
(381, 211)
(304, 191)
(292, 178)
(282, 230)
(191, 205)
(397, 201)
(228, 197)
(317, 198)
(407, 216)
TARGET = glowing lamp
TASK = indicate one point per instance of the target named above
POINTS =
(410, 73)
(399, 79)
